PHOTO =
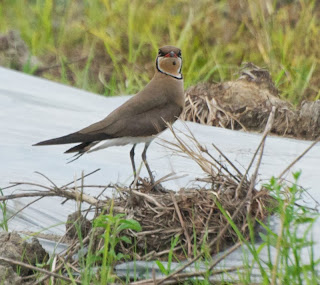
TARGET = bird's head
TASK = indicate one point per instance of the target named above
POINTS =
(169, 61)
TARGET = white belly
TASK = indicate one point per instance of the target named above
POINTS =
(120, 141)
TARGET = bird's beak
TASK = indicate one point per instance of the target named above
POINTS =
(171, 54)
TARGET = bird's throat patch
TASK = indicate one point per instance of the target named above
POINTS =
(177, 76)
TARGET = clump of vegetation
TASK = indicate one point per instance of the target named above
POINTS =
(282, 255)
(245, 104)
(109, 47)
(290, 248)
(187, 227)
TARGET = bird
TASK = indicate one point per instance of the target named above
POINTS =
(141, 118)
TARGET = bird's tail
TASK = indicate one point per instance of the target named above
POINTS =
(75, 138)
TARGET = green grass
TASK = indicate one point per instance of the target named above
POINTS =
(278, 254)
(292, 241)
(113, 226)
(294, 238)
(109, 46)
(4, 211)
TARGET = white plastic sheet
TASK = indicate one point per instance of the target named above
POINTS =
(33, 109)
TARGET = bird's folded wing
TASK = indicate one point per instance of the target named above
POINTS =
(145, 124)
(136, 107)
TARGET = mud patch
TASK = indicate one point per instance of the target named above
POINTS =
(15, 248)
(245, 104)
(8, 276)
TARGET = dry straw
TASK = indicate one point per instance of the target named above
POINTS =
(192, 214)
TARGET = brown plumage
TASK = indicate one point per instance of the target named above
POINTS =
(140, 118)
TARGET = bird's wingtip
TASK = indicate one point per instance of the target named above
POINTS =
(40, 143)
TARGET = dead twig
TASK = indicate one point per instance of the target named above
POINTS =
(84, 176)
(244, 201)
(19, 263)
(223, 256)
(26, 195)
(298, 158)
(264, 136)
(182, 276)
(182, 224)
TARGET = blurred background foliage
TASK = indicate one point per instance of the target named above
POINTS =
(109, 47)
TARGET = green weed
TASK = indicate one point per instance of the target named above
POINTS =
(167, 270)
(3, 209)
(285, 246)
(113, 226)
(294, 237)
(119, 40)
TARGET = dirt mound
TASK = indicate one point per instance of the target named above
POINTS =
(13, 247)
(15, 53)
(8, 276)
(245, 104)
(191, 214)
(194, 216)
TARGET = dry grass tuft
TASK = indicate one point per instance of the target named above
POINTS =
(193, 213)
(245, 104)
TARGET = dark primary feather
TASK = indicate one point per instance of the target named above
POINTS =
(76, 138)
(79, 147)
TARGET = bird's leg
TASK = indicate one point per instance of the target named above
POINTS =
(132, 161)
(144, 158)
(157, 187)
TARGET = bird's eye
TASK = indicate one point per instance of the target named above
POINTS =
(160, 53)
(179, 53)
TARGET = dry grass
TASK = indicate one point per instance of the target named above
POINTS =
(192, 215)
(245, 104)
(206, 220)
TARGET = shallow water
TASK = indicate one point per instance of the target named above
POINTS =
(33, 109)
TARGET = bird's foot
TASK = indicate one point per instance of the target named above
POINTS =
(146, 185)
(138, 183)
